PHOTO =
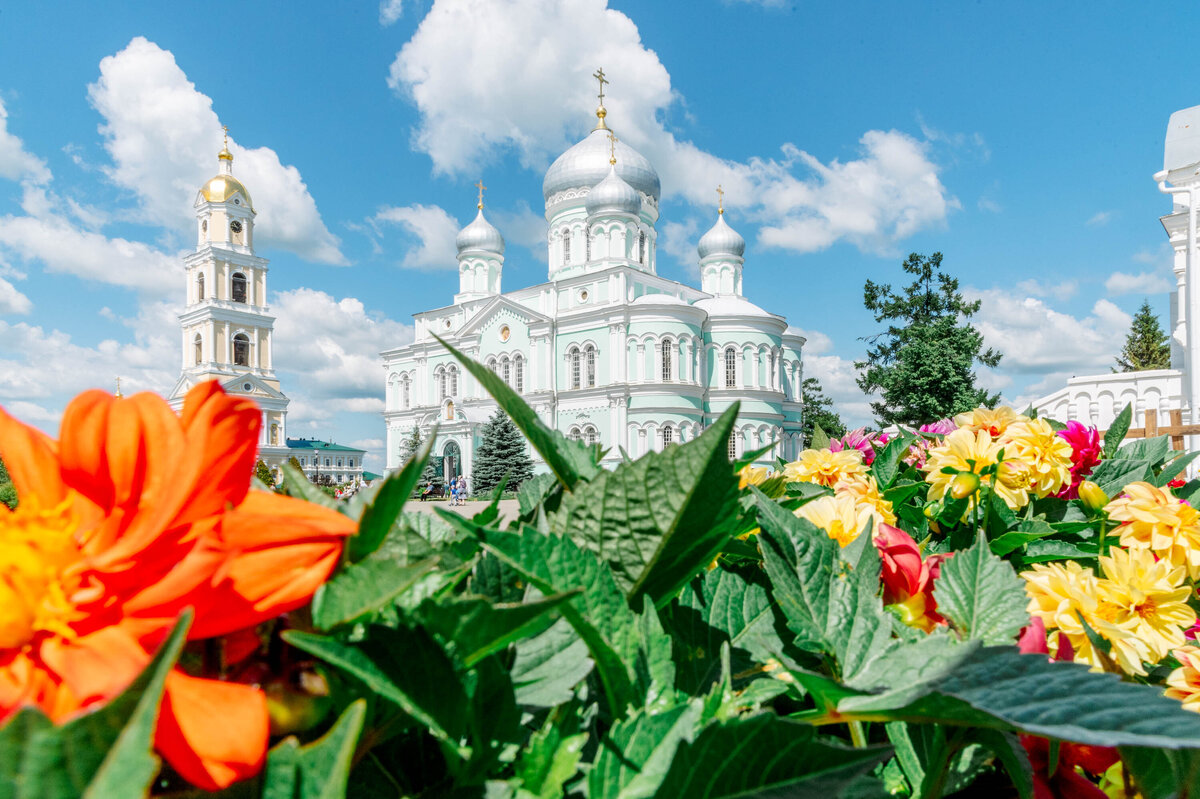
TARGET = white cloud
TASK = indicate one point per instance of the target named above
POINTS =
(435, 230)
(1059, 291)
(524, 227)
(990, 205)
(163, 136)
(16, 163)
(890, 190)
(13, 301)
(678, 239)
(390, 11)
(1119, 283)
(1100, 218)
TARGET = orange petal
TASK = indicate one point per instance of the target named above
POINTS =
(213, 733)
(93, 667)
(31, 458)
(222, 441)
(82, 448)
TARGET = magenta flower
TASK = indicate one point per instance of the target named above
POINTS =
(855, 439)
(1085, 455)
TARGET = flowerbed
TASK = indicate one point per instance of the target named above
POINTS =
(997, 605)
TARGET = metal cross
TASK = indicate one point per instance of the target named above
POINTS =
(118, 386)
(720, 199)
(599, 75)
(612, 137)
(226, 129)
(481, 187)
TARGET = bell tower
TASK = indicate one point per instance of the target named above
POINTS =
(226, 324)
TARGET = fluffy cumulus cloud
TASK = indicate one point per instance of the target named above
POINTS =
(16, 163)
(163, 134)
(1119, 283)
(433, 229)
(890, 189)
(837, 377)
(390, 11)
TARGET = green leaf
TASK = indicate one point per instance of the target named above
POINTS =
(981, 595)
(661, 519)
(295, 484)
(552, 756)
(1175, 467)
(637, 753)
(570, 461)
(1008, 750)
(403, 665)
(318, 770)
(1116, 431)
(378, 517)
(533, 492)
(820, 439)
(1113, 475)
(359, 591)
(474, 628)
(1162, 773)
(547, 667)
(886, 465)
(102, 753)
(999, 688)
(1151, 450)
(764, 755)
(1027, 530)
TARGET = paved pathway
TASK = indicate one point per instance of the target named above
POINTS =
(509, 508)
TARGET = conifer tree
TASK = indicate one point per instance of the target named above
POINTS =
(1146, 346)
(264, 473)
(294, 462)
(818, 410)
(8, 493)
(410, 445)
(502, 451)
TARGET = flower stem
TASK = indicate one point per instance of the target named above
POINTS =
(1100, 545)
(858, 736)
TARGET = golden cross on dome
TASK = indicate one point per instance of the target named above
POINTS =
(720, 199)
(226, 129)
(119, 394)
(599, 75)
(479, 185)
(612, 138)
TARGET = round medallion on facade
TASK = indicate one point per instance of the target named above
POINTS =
(247, 386)
(583, 295)
(504, 332)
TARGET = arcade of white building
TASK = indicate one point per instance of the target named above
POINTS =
(606, 350)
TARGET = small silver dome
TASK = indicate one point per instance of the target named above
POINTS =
(613, 195)
(721, 239)
(480, 235)
(586, 163)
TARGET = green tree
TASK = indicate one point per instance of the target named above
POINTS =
(295, 464)
(432, 474)
(263, 472)
(922, 365)
(502, 451)
(818, 410)
(1146, 346)
(8, 492)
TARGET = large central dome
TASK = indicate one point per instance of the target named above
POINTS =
(586, 164)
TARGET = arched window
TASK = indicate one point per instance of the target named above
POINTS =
(591, 436)
(453, 374)
(506, 371)
(566, 239)
(241, 350)
(642, 254)
(405, 392)
(198, 346)
(730, 367)
(732, 446)
(591, 365)
(493, 366)
(666, 360)
(519, 374)
(200, 286)
(574, 356)
(441, 384)
(239, 287)
(574, 435)
(667, 436)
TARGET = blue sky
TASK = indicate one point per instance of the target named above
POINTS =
(1018, 140)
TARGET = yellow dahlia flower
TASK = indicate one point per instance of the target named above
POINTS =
(839, 516)
(972, 451)
(865, 491)
(1150, 595)
(824, 467)
(1047, 455)
(1154, 519)
(752, 475)
(1184, 682)
(993, 421)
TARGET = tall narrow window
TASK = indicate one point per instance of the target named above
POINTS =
(453, 373)
(405, 396)
(506, 371)
(591, 366)
(241, 350)
(519, 374)
(591, 436)
(667, 436)
(566, 239)
(239, 287)
(642, 254)
(441, 384)
(733, 446)
(198, 346)
(200, 286)
(730, 367)
(666, 360)
(574, 368)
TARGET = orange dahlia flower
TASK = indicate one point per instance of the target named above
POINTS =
(133, 515)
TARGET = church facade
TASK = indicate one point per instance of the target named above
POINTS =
(605, 350)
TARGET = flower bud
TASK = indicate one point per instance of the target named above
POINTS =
(964, 485)
(1092, 496)
(932, 510)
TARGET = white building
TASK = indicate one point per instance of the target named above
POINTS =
(226, 323)
(606, 350)
(320, 459)
(1097, 399)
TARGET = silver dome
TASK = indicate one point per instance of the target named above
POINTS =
(585, 164)
(613, 194)
(480, 235)
(721, 239)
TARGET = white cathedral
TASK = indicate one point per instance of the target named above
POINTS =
(606, 350)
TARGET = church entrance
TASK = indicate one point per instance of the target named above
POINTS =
(451, 462)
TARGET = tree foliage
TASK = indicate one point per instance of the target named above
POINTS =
(1146, 346)
(922, 365)
(8, 492)
(503, 450)
(818, 410)
(263, 472)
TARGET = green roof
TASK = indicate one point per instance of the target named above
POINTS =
(371, 476)
(312, 443)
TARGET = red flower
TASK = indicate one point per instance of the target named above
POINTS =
(907, 577)
(1066, 782)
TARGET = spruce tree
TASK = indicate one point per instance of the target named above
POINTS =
(264, 473)
(8, 493)
(922, 365)
(502, 451)
(1146, 346)
(818, 410)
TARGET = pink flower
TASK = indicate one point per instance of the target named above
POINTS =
(939, 428)
(855, 439)
(1085, 455)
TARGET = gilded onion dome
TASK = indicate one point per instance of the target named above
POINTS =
(480, 235)
(222, 187)
(587, 163)
(721, 239)
(613, 195)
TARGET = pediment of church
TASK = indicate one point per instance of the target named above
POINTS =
(252, 385)
(500, 310)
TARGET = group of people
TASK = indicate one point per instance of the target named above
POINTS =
(458, 490)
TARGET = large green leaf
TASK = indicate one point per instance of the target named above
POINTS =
(658, 520)
(473, 628)
(360, 590)
(1117, 430)
(1152, 450)
(1162, 773)
(570, 461)
(318, 770)
(981, 595)
(552, 755)
(107, 752)
(636, 753)
(886, 465)
(378, 517)
(765, 755)
(548, 666)
(1113, 475)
